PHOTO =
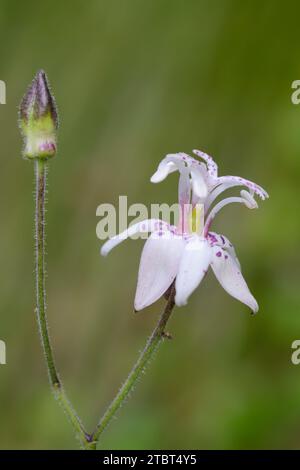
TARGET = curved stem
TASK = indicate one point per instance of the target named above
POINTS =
(55, 382)
(152, 344)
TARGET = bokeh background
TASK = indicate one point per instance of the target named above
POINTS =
(134, 80)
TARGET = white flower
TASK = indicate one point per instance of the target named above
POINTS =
(186, 251)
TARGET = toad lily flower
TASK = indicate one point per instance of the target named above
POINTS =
(184, 252)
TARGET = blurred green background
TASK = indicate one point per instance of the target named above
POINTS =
(134, 80)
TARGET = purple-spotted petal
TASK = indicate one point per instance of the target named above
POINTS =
(212, 167)
(222, 241)
(230, 277)
(230, 181)
(193, 266)
(158, 267)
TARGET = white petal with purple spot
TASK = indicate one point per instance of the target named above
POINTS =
(222, 241)
(230, 277)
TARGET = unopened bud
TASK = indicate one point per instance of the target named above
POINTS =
(38, 119)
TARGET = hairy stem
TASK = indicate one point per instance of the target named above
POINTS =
(55, 382)
(87, 441)
(157, 336)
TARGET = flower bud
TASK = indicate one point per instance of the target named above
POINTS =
(38, 119)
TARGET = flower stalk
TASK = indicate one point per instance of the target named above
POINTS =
(41, 175)
(152, 344)
(87, 441)
(40, 271)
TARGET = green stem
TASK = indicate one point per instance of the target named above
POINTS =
(152, 344)
(88, 441)
(55, 382)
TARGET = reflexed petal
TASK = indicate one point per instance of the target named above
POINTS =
(230, 277)
(212, 167)
(219, 189)
(158, 268)
(172, 162)
(163, 170)
(141, 227)
(181, 159)
(230, 180)
(193, 266)
(169, 164)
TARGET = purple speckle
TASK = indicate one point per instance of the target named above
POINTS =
(226, 256)
(218, 254)
(223, 239)
(212, 238)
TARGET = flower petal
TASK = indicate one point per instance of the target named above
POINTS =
(222, 241)
(193, 266)
(228, 181)
(230, 277)
(141, 227)
(173, 162)
(212, 167)
(158, 267)
(163, 170)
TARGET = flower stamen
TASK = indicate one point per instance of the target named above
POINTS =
(245, 199)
